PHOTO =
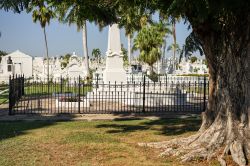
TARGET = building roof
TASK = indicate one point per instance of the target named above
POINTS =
(17, 54)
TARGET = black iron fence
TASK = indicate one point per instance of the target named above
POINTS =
(16, 91)
(81, 96)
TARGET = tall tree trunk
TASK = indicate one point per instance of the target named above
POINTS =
(85, 46)
(229, 96)
(174, 47)
(129, 49)
(225, 125)
(47, 52)
(163, 51)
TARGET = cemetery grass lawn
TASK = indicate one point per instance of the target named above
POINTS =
(40, 89)
(92, 143)
(4, 97)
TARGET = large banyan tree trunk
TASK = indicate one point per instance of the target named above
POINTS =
(226, 121)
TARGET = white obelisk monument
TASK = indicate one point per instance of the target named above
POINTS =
(114, 71)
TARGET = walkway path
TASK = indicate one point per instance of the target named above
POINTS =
(91, 117)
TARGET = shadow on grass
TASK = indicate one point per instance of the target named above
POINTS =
(17, 128)
(168, 127)
(10, 129)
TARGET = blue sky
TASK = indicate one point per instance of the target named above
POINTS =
(19, 32)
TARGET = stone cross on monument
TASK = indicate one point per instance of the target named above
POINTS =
(114, 71)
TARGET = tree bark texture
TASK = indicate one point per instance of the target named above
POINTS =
(85, 46)
(47, 52)
(174, 47)
(129, 49)
(163, 50)
(226, 121)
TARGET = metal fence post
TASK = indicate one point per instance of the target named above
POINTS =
(16, 90)
(143, 97)
(79, 93)
(23, 85)
(10, 96)
(19, 86)
(61, 85)
(97, 79)
(204, 97)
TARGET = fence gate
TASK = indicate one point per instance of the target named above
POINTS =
(27, 96)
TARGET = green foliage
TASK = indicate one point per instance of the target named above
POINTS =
(41, 12)
(90, 77)
(96, 53)
(175, 48)
(2, 53)
(65, 60)
(77, 12)
(133, 18)
(193, 59)
(149, 41)
(153, 76)
(192, 44)
(17, 7)
(205, 62)
(125, 55)
(196, 70)
(195, 75)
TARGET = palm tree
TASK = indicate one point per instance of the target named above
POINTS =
(96, 53)
(164, 19)
(133, 20)
(85, 45)
(149, 41)
(72, 14)
(130, 25)
(78, 12)
(43, 14)
(174, 45)
(175, 48)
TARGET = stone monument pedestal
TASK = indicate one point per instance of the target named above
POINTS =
(114, 71)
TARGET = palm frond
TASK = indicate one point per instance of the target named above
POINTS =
(192, 44)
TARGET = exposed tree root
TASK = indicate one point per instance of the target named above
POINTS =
(208, 144)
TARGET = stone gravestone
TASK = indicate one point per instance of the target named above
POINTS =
(114, 70)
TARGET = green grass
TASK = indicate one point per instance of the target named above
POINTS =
(91, 143)
(4, 87)
(42, 89)
(4, 97)
(194, 75)
(39, 89)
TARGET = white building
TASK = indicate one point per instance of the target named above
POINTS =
(197, 67)
(16, 63)
(75, 68)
